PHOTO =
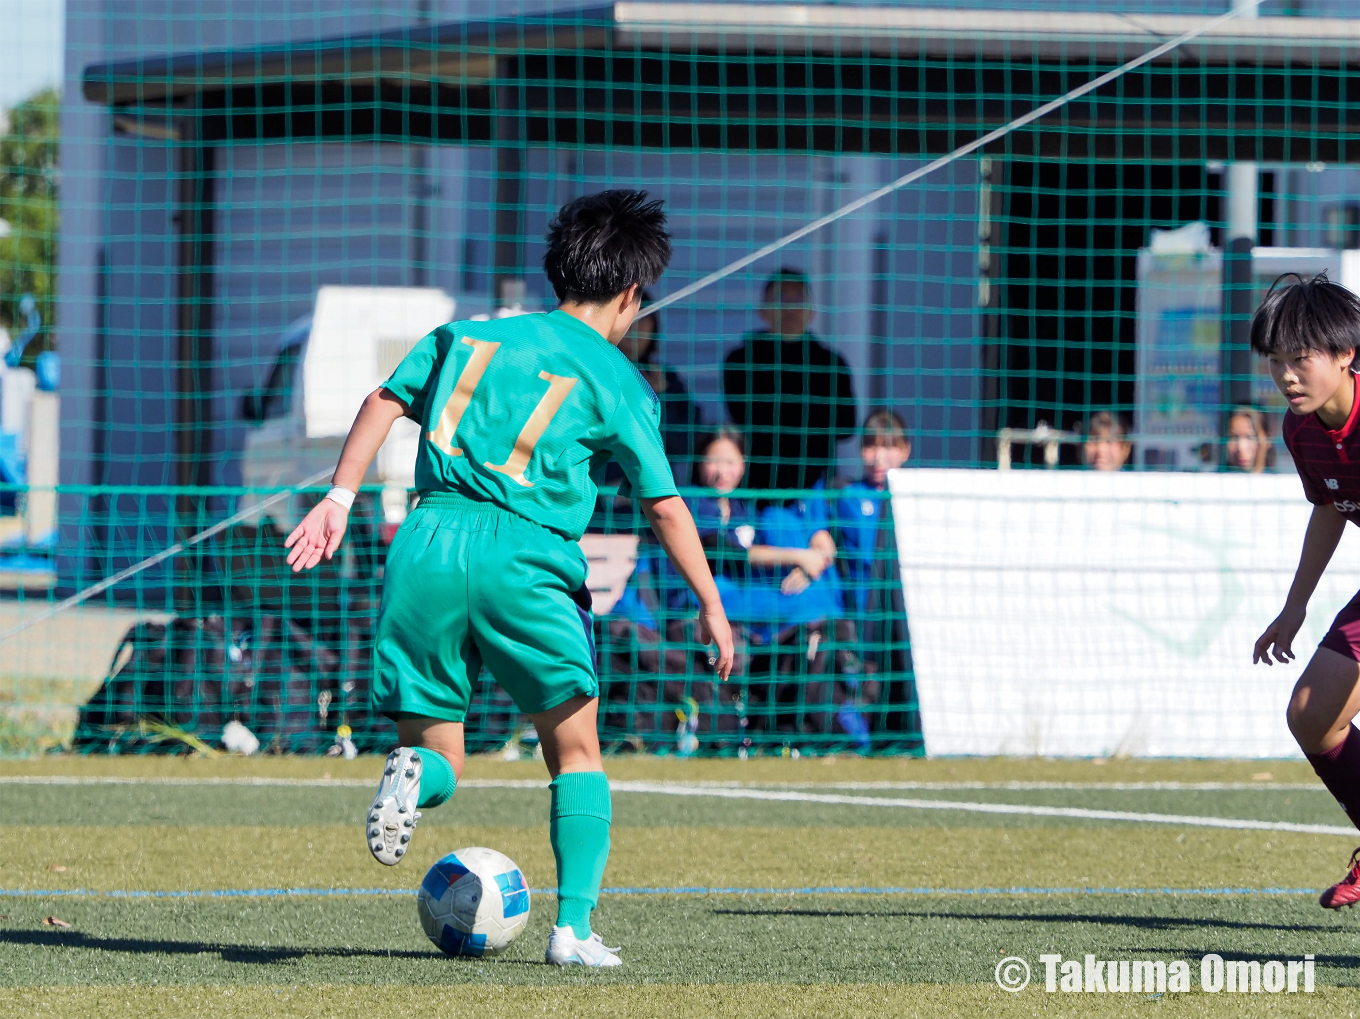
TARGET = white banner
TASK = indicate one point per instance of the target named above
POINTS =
(1088, 614)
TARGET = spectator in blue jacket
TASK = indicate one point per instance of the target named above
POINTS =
(862, 514)
(726, 525)
(875, 618)
(773, 562)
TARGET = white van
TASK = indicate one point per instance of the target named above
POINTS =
(324, 365)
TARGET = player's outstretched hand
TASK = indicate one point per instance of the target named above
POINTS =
(318, 535)
(1279, 637)
(715, 629)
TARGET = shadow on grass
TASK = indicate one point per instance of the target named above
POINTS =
(252, 954)
(1155, 923)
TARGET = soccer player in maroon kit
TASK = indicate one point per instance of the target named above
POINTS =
(1308, 331)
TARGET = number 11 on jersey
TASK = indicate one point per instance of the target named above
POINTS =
(559, 386)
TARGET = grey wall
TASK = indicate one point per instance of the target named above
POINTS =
(296, 217)
(1306, 197)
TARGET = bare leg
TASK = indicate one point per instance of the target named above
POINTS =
(569, 735)
(1325, 699)
(444, 738)
(413, 780)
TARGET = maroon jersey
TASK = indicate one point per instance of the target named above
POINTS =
(1328, 461)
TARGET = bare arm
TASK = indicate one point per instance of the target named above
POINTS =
(1325, 528)
(674, 528)
(322, 529)
(823, 542)
(379, 411)
(812, 560)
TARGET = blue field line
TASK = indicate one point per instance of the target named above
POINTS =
(277, 893)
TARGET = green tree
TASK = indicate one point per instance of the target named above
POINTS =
(28, 207)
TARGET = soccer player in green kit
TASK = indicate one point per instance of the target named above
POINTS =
(516, 416)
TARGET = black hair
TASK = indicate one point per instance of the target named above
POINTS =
(790, 276)
(724, 433)
(600, 245)
(1107, 425)
(1306, 314)
(884, 427)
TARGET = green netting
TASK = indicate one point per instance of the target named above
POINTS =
(253, 199)
(225, 631)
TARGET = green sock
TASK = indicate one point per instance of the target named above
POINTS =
(580, 840)
(436, 778)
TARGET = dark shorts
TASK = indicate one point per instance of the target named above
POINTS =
(1344, 636)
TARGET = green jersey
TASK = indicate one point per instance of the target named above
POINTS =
(523, 411)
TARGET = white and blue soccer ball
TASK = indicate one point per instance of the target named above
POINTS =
(473, 902)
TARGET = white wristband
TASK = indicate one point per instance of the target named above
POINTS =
(341, 495)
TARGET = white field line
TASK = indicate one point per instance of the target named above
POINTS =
(728, 792)
(790, 796)
(533, 783)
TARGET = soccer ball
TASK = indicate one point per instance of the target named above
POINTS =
(473, 902)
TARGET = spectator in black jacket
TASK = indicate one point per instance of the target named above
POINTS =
(681, 418)
(791, 394)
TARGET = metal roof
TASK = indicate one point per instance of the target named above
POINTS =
(467, 52)
(975, 32)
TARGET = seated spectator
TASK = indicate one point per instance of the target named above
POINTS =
(1248, 447)
(875, 620)
(766, 562)
(791, 394)
(1107, 446)
(790, 602)
(788, 547)
(861, 510)
(726, 525)
(773, 570)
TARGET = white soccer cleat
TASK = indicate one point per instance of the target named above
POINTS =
(393, 816)
(566, 949)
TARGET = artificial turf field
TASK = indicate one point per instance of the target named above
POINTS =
(725, 905)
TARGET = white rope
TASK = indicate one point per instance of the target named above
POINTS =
(1244, 7)
(161, 556)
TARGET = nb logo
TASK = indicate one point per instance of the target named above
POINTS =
(1332, 483)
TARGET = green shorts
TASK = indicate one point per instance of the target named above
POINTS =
(469, 583)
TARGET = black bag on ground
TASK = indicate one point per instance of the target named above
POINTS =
(173, 685)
